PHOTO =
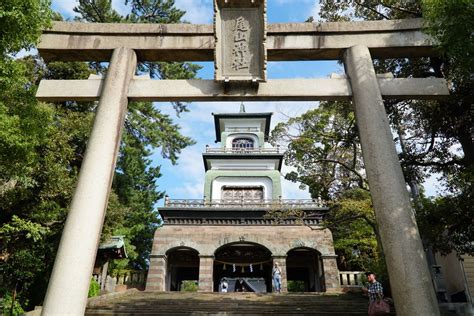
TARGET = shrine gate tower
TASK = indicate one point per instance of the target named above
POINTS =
(235, 231)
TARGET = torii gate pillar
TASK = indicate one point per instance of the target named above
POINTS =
(69, 282)
(407, 267)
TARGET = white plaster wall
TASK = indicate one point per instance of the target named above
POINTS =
(219, 182)
(241, 123)
(243, 164)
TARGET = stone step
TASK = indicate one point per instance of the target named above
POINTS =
(178, 303)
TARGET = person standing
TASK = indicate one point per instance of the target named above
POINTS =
(377, 306)
(239, 286)
(276, 274)
(224, 285)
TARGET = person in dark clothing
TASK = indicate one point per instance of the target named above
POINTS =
(239, 286)
(375, 291)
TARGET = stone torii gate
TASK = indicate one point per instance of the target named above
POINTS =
(240, 43)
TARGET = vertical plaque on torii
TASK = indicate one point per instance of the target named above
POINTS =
(240, 35)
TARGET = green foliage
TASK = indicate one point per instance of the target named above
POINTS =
(324, 149)
(451, 23)
(323, 146)
(295, 286)
(352, 222)
(145, 11)
(189, 286)
(432, 136)
(99, 11)
(7, 306)
(94, 288)
(21, 22)
(447, 222)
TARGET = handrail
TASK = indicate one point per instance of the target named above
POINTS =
(244, 203)
(229, 150)
(242, 129)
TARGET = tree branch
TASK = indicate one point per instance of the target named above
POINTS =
(415, 13)
(372, 9)
(361, 177)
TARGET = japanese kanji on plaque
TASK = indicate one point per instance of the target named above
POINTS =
(240, 53)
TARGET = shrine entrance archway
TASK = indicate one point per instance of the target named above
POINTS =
(182, 268)
(304, 270)
(250, 262)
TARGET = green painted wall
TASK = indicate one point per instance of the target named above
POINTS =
(274, 176)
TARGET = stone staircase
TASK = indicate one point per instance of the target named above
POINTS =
(134, 302)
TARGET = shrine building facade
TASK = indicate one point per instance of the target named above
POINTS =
(242, 226)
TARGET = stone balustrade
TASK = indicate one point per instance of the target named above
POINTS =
(231, 150)
(245, 203)
(351, 279)
(130, 278)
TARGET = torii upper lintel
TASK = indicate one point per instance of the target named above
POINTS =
(67, 41)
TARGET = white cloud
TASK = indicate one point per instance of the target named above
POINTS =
(316, 11)
(191, 165)
(65, 7)
(188, 190)
(197, 11)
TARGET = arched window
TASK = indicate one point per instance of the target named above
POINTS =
(242, 143)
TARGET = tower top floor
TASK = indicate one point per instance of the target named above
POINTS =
(254, 123)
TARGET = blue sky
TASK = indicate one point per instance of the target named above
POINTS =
(186, 179)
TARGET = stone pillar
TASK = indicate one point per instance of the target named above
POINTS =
(103, 274)
(206, 269)
(331, 273)
(69, 282)
(156, 280)
(282, 263)
(409, 276)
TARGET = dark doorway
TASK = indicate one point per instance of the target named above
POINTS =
(304, 270)
(248, 261)
(182, 269)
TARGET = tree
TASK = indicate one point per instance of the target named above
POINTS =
(433, 136)
(22, 130)
(145, 127)
(323, 146)
(41, 151)
(451, 215)
(21, 24)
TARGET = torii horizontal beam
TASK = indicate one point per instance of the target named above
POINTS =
(210, 90)
(68, 41)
